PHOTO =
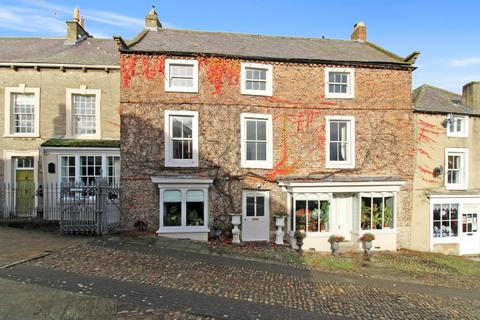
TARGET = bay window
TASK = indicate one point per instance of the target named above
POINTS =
(183, 209)
(85, 169)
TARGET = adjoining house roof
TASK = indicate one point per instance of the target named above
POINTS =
(251, 46)
(90, 51)
(75, 143)
(431, 99)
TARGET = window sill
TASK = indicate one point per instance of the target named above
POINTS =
(184, 90)
(193, 229)
(171, 164)
(19, 135)
(457, 135)
(339, 96)
(453, 187)
(331, 165)
(256, 93)
(256, 166)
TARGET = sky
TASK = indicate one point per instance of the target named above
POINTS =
(447, 33)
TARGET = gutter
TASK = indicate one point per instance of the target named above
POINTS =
(57, 65)
(476, 115)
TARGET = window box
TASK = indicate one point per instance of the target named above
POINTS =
(256, 79)
(340, 141)
(83, 113)
(22, 112)
(181, 138)
(340, 83)
(456, 168)
(256, 141)
(181, 75)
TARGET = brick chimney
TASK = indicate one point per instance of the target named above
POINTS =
(75, 28)
(151, 20)
(359, 32)
(471, 96)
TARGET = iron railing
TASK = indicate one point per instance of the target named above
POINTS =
(78, 208)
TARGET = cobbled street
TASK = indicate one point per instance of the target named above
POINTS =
(146, 281)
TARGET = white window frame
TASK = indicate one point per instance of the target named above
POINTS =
(262, 164)
(269, 85)
(461, 134)
(77, 156)
(183, 185)
(350, 163)
(22, 88)
(350, 94)
(463, 153)
(382, 195)
(69, 112)
(169, 161)
(189, 62)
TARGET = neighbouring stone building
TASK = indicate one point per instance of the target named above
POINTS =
(446, 205)
(59, 117)
(219, 123)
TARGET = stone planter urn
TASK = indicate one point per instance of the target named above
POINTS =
(367, 239)
(335, 243)
(279, 223)
(366, 246)
(299, 236)
(293, 241)
(236, 221)
(334, 246)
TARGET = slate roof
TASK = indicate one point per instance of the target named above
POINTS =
(431, 99)
(78, 143)
(90, 51)
(261, 47)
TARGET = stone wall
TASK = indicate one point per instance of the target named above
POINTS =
(384, 134)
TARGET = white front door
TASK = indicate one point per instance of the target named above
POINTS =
(256, 216)
(470, 236)
(343, 215)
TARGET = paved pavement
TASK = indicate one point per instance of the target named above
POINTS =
(17, 245)
(153, 281)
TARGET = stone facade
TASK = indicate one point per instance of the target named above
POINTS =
(384, 135)
(53, 84)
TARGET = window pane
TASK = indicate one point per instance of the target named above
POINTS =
(261, 151)
(260, 206)
(176, 127)
(187, 149)
(249, 85)
(334, 151)
(251, 151)
(261, 130)
(377, 213)
(366, 218)
(195, 208)
(300, 218)
(333, 131)
(388, 213)
(250, 206)
(313, 213)
(177, 147)
(251, 130)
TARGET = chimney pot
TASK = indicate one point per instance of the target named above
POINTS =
(76, 14)
(471, 96)
(359, 32)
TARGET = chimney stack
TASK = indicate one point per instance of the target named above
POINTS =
(75, 28)
(471, 96)
(359, 32)
(151, 20)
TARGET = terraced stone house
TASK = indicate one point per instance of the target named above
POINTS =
(446, 182)
(59, 118)
(218, 123)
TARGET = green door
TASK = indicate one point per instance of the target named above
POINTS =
(25, 195)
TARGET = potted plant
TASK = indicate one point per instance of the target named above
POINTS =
(299, 236)
(367, 239)
(335, 243)
(217, 230)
